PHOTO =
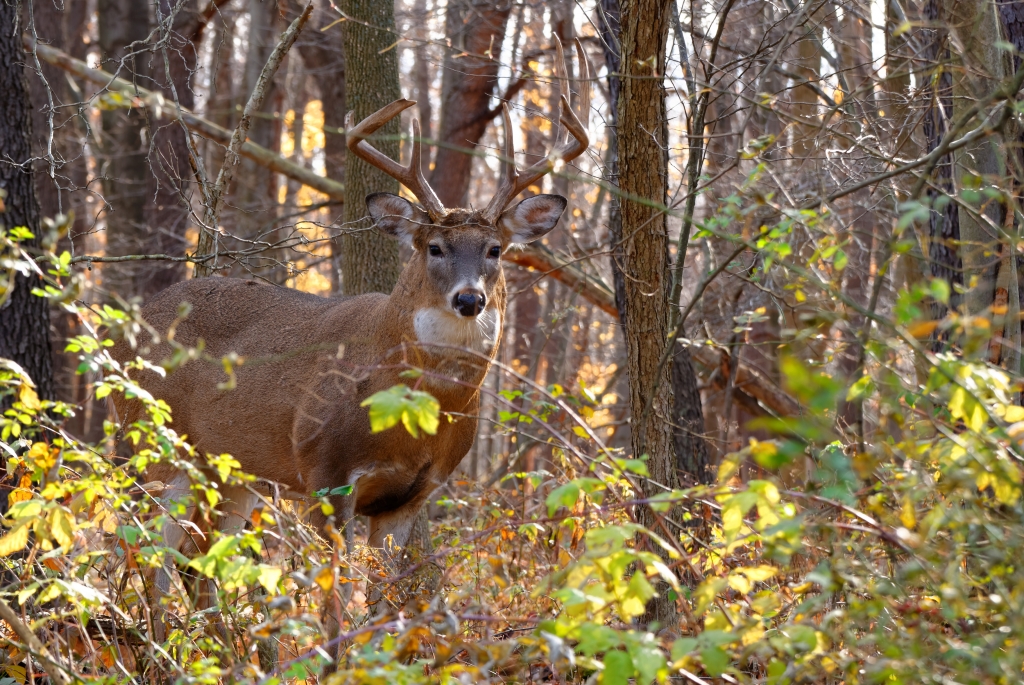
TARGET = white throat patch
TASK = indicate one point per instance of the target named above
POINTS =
(445, 327)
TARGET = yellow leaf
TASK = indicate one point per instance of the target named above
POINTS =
(1006, 492)
(758, 574)
(739, 583)
(976, 420)
(956, 402)
(22, 493)
(28, 397)
(908, 517)
(43, 456)
(49, 594)
(62, 528)
(325, 578)
(270, 575)
(14, 541)
(1013, 414)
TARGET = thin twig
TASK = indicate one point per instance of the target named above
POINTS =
(52, 667)
(208, 235)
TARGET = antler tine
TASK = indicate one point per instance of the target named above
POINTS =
(410, 176)
(507, 190)
(565, 150)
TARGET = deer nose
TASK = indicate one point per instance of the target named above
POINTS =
(469, 304)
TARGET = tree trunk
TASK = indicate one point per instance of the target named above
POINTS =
(858, 215)
(421, 74)
(943, 225)
(171, 178)
(691, 450)
(255, 185)
(123, 164)
(62, 28)
(643, 174)
(24, 320)
(976, 32)
(324, 57)
(369, 260)
(476, 30)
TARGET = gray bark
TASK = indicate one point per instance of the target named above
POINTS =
(123, 164)
(24, 318)
(369, 261)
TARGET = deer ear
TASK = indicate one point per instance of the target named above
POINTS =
(531, 218)
(396, 216)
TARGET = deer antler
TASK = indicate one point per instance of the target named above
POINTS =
(565, 149)
(410, 176)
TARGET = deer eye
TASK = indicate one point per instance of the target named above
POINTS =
(434, 250)
(495, 251)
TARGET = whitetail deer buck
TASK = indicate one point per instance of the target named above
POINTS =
(294, 416)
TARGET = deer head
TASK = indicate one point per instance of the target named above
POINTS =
(459, 249)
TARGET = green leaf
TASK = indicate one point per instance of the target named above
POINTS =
(563, 496)
(618, 668)
(592, 638)
(417, 410)
(682, 647)
(839, 263)
(715, 661)
(862, 388)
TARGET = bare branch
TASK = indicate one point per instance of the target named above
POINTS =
(208, 235)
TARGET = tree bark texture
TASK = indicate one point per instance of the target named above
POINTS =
(643, 174)
(324, 57)
(692, 459)
(123, 163)
(476, 29)
(369, 260)
(24, 319)
(976, 31)
(688, 415)
(974, 27)
(172, 179)
(63, 28)
(944, 223)
(255, 187)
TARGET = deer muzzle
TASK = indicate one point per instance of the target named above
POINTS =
(469, 303)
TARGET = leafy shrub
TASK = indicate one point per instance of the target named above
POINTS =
(895, 563)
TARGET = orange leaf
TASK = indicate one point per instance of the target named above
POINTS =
(923, 329)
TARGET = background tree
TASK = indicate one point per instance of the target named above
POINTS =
(642, 174)
(24, 317)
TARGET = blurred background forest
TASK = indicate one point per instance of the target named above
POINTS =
(788, 258)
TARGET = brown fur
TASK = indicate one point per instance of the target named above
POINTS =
(294, 416)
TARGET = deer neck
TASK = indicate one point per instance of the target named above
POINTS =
(441, 341)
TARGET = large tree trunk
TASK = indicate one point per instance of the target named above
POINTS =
(171, 177)
(475, 28)
(858, 214)
(255, 185)
(123, 166)
(643, 174)
(977, 27)
(691, 450)
(62, 28)
(369, 260)
(324, 57)
(943, 225)
(24, 319)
